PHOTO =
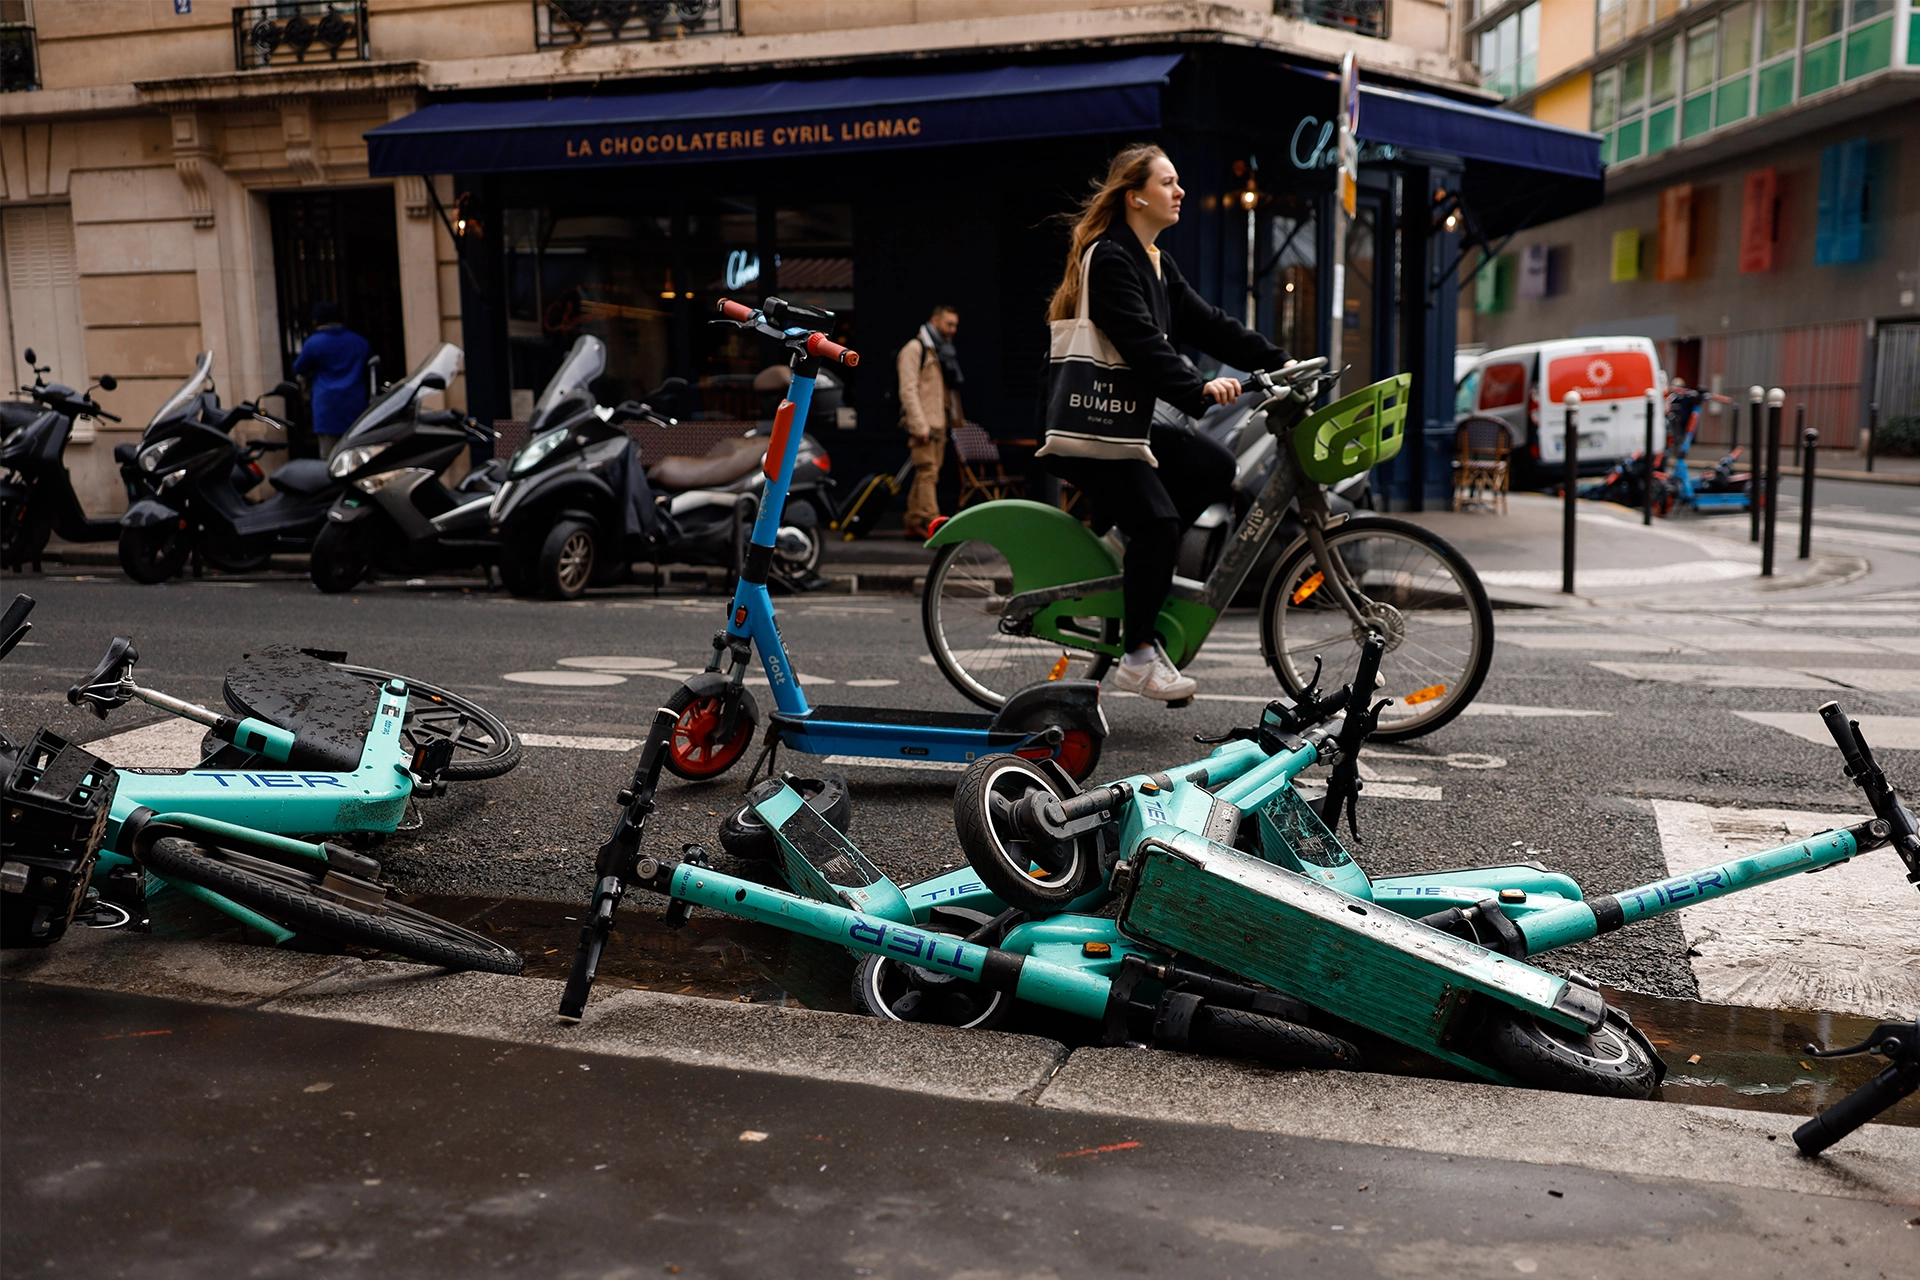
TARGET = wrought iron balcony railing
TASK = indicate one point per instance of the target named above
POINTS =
(19, 57)
(560, 23)
(301, 31)
(1362, 17)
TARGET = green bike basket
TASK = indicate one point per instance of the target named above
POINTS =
(1355, 433)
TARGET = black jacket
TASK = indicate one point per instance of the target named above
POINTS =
(1148, 317)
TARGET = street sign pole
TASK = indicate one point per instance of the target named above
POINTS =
(1347, 189)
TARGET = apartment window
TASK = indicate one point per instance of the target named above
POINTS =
(1779, 38)
(575, 22)
(1869, 36)
(19, 52)
(1510, 52)
(1633, 104)
(1362, 17)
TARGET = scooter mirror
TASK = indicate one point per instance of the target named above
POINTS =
(671, 387)
(31, 358)
(433, 382)
(285, 390)
(108, 382)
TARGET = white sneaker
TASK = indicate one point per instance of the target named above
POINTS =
(1158, 679)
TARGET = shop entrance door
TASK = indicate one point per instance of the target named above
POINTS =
(343, 247)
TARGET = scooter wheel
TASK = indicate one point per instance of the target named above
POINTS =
(697, 751)
(743, 835)
(566, 563)
(153, 553)
(1609, 1063)
(898, 992)
(1236, 1033)
(340, 557)
(1039, 877)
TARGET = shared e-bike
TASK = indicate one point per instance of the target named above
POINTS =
(1019, 589)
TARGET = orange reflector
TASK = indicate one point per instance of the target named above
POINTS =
(1059, 668)
(1307, 588)
(1096, 950)
(1427, 694)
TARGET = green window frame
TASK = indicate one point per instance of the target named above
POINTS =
(1660, 130)
(1820, 67)
(1776, 85)
(1697, 115)
(1626, 141)
(1732, 100)
(1870, 48)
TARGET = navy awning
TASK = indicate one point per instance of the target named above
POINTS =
(1433, 123)
(784, 118)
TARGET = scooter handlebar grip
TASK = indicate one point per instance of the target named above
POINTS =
(818, 344)
(1854, 1110)
(735, 310)
(1842, 732)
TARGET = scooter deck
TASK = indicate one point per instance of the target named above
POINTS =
(1351, 958)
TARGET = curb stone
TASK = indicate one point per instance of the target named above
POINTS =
(1709, 1144)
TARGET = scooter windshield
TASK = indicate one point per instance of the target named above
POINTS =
(583, 364)
(180, 404)
(397, 400)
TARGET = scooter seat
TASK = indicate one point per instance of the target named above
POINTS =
(329, 712)
(730, 460)
(302, 477)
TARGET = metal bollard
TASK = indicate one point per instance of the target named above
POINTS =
(1754, 468)
(1775, 398)
(1646, 512)
(1873, 432)
(1573, 491)
(1809, 448)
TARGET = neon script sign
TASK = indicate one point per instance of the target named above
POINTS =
(1312, 146)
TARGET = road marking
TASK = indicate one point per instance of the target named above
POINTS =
(579, 744)
(1690, 571)
(1872, 679)
(1834, 615)
(1399, 791)
(1597, 642)
(170, 744)
(1508, 709)
(1893, 733)
(1714, 677)
(1769, 641)
(1846, 939)
(938, 766)
(871, 684)
(626, 666)
(1898, 644)
(565, 679)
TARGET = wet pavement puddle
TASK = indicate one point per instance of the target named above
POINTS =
(1716, 1055)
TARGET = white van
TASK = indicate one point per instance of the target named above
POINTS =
(1612, 375)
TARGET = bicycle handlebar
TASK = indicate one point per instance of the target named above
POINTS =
(818, 344)
(737, 311)
(1904, 832)
(808, 342)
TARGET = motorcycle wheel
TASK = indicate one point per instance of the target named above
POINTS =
(153, 553)
(341, 558)
(565, 564)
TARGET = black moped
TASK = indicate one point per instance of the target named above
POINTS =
(190, 481)
(396, 513)
(36, 491)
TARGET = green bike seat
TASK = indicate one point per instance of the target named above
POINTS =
(329, 712)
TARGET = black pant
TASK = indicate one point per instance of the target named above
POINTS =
(1153, 507)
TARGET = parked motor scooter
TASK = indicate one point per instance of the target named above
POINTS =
(36, 492)
(190, 478)
(396, 513)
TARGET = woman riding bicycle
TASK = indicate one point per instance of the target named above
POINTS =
(1154, 486)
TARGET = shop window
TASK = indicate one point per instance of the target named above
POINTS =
(1296, 276)
(1839, 235)
(19, 49)
(1759, 214)
(1510, 52)
(1503, 385)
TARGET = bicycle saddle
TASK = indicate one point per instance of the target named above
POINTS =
(329, 712)
(730, 460)
(110, 684)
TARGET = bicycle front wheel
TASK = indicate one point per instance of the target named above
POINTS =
(296, 898)
(1421, 593)
(483, 745)
(967, 588)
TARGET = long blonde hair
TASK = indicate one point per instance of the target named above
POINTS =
(1102, 209)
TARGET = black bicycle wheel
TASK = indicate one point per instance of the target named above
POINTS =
(967, 586)
(1039, 877)
(1609, 1063)
(1237, 1033)
(294, 898)
(483, 745)
(1419, 591)
(743, 835)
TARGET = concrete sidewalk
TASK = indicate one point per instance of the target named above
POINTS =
(1446, 1118)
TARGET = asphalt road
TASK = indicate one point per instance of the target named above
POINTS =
(1571, 790)
(152, 1140)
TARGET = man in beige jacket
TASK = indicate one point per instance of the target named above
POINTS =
(930, 379)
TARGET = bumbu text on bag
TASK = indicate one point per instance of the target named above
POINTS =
(1096, 406)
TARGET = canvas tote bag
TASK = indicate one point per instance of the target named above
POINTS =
(1096, 406)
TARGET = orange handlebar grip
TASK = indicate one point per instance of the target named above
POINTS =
(818, 344)
(735, 310)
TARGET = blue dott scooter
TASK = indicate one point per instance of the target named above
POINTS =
(715, 716)
(1717, 490)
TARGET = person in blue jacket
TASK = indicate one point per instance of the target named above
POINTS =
(333, 360)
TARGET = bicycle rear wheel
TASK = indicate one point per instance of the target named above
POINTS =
(967, 587)
(1423, 594)
(296, 898)
(483, 745)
